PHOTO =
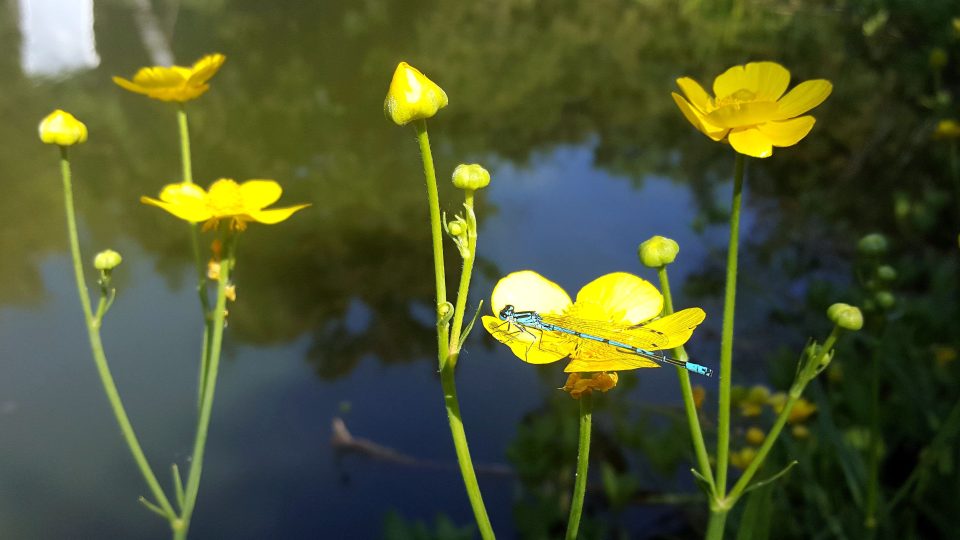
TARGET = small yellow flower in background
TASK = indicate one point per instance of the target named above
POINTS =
(63, 129)
(947, 129)
(174, 83)
(230, 292)
(577, 384)
(412, 96)
(226, 199)
(699, 395)
(619, 300)
(752, 403)
(801, 410)
(742, 458)
(944, 355)
(755, 436)
(750, 110)
(800, 431)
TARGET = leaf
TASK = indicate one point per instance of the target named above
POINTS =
(704, 484)
(772, 479)
(469, 327)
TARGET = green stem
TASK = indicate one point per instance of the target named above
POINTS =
(187, 165)
(583, 462)
(792, 397)
(447, 365)
(203, 422)
(873, 459)
(686, 389)
(726, 336)
(96, 345)
(463, 451)
(436, 233)
(716, 523)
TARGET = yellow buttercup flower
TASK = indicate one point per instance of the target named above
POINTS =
(947, 129)
(750, 110)
(174, 83)
(412, 96)
(617, 304)
(226, 199)
(63, 129)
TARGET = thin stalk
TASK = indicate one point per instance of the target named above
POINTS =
(464, 288)
(686, 389)
(447, 380)
(203, 422)
(583, 462)
(726, 336)
(792, 397)
(187, 173)
(96, 346)
(716, 523)
(873, 459)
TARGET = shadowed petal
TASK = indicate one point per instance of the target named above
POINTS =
(275, 215)
(750, 142)
(697, 119)
(260, 193)
(696, 94)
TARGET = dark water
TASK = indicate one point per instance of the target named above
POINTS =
(569, 109)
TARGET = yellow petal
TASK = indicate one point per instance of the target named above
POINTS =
(595, 356)
(260, 193)
(802, 98)
(788, 132)
(526, 344)
(529, 291)
(618, 297)
(698, 120)
(183, 200)
(696, 94)
(750, 142)
(275, 215)
(412, 96)
(162, 77)
(766, 80)
(677, 327)
(205, 68)
(742, 114)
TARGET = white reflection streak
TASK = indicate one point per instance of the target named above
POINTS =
(57, 37)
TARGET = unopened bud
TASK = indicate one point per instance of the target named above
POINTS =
(658, 251)
(107, 260)
(471, 177)
(845, 316)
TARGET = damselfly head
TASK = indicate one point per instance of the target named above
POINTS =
(507, 312)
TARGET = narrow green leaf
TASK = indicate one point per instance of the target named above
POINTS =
(703, 483)
(469, 327)
(755, 521)
(772, 479)
(177, 485)
(153, 508)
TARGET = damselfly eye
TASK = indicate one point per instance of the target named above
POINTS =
(506, 312)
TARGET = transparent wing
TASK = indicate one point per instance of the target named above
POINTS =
(598, 356)
(530, 344)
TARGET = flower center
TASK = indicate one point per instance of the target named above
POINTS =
(224, 199)
(740, 96)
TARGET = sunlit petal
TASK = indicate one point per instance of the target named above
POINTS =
(205, 68)
(742, 114)
(619, 297)
(696, 94)
(802, 98)
(750, 142)
(677, 327)
(527, 290)
(788, 132)
(260, 193)
(275, 215)
(697, 119)
(526, 345)
(766, 80)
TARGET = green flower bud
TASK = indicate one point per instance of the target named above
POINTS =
(886, 273)
(872, 244)
(456, 228)
(107, 260)
(938, 58)
(470, 177)
(658, 251)
(885, 299)
(845, 316)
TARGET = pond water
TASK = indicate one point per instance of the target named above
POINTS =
(568, 107)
